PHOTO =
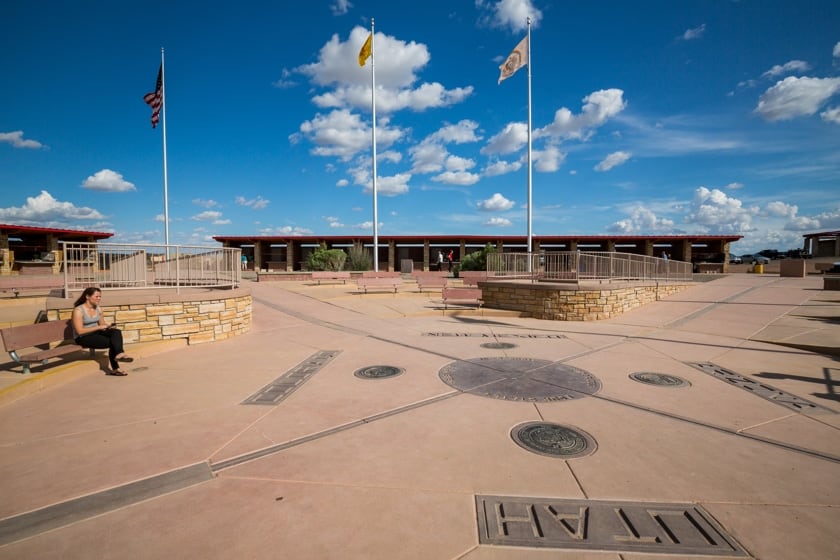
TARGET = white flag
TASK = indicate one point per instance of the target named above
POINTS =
(517, 58)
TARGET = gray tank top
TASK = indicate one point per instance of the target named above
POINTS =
(89, 321)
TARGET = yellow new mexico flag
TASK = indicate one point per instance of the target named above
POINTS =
(364, 54)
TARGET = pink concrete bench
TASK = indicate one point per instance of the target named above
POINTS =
(379, 283)
(24, 282)
(472, 277)
(463, 295)
(380, 274)
(37, 339)
(321, 275)
(430, 281)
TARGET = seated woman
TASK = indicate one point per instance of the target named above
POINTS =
(91, 331)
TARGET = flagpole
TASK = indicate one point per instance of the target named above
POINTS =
(530, 201)
(165, 174)
(373, 139)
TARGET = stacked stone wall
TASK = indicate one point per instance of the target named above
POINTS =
(197, 320)
(565, 303)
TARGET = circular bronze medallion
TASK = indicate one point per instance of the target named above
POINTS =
(378, 372)
(519, 379)
(553, 440)
(659, 379)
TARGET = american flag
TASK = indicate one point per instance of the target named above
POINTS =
(155, 99)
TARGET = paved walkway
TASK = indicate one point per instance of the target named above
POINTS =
(169, 463)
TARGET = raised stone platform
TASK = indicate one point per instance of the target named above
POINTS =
(197, 315)
(574, 302)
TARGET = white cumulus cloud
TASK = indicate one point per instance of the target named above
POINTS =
(694, 33)
(108, 181)
(598, 107)
(496, 203)
(498, 222)
(256, 203)
(16, 139)
(718, 213)
(613, 160)
(44, 210)
(640, 221)
(796, 97)
(787, 68)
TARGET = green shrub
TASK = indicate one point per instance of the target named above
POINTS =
(358, 258)
(326, 259)
(477, 260)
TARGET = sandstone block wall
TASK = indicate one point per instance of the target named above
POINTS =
(566, 303)
(208, 318)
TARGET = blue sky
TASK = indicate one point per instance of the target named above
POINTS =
(652, 117)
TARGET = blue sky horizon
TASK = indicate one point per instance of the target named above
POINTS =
(652, 118)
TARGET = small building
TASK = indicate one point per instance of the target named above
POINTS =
(822, 244)
(36, 250)
(290, 253)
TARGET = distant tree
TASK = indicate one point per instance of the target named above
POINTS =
(358, 258)
(477, 260)
(326, 259)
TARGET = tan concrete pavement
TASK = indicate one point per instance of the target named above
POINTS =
(352, 468)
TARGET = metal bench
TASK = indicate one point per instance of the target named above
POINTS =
(379, 283)
(321, 275)
(39, 338)
(462, 295)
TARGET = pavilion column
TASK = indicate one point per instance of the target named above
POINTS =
(291, 255)
(686, 250)
(392, 255)
(725, 250)
(462, 250)
(426, 251)
(258, 256)
(54, 251)
(648, 247)
(573, 245)
(5, 255)
(610, 246)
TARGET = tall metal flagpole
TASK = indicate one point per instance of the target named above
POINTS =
(373, 138)
(530, 201)
(165, 174)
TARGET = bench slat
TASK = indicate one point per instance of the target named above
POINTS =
(51, 353)
(28, 336)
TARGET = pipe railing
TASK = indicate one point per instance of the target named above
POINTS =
(577, 266)
(136, 266)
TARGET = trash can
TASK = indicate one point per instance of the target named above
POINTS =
(758, 268)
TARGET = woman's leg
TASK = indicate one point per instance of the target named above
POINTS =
(109, 338)
(115, 346)
(99, 340)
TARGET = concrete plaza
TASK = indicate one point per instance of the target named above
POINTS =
(175, 460)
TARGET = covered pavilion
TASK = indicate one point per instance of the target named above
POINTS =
(289, 253)
(36, 250)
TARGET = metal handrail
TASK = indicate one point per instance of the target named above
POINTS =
(139, 266)
(576, 266)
